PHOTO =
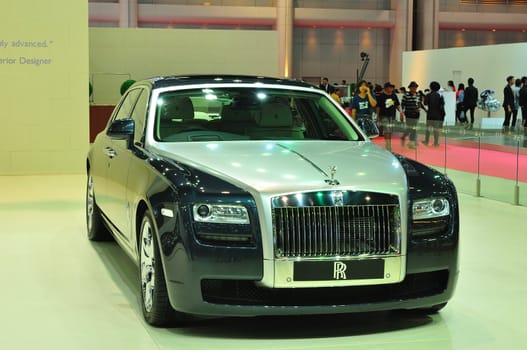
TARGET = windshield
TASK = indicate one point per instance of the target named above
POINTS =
(230, 114)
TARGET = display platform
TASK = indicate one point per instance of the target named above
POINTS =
(64, 292)
(489, 159)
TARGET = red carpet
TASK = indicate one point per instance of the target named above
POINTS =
(504, 164)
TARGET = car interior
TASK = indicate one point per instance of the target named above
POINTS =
(238, 114)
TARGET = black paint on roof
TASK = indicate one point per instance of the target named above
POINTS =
(165, 81)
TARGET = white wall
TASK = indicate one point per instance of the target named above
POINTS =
(121, 53)
(488, 65)
(44, 107)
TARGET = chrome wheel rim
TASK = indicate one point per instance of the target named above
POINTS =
(90, 203)
(147, 266)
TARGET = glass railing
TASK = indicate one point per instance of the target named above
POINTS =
(484, 163)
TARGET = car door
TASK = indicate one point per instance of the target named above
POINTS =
(138, 168)
(120, 154)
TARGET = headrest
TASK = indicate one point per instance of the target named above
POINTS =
(231, 114)
(245, 102)
(178, 108)
(275, 115)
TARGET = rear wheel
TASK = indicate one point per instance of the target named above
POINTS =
(156, 306)
(97, 231)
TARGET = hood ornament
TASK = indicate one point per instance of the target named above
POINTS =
(332, 181)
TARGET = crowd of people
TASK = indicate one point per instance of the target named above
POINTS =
(514, 99)
(381, 104)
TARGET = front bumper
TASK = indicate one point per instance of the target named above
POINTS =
(224, 282)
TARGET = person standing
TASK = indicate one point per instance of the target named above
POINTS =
(516, 93)
(387, 104)
(470, 101)
(324, 85)
(450, 86)
(362, 101)
(522, 101)
(362, 104)
(460, 96)
(377, 91)
(336, 94)
(411, 104)
(435, 114)
(508, 103)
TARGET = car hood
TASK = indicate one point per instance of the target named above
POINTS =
(280, 167)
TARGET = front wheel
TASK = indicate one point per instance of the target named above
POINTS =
(97, 231)
(157, 310)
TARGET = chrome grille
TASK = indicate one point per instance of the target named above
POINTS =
(321, 231)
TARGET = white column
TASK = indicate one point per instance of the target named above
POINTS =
(284, 27)
(128, 13)
(133, 13)
(401, 39)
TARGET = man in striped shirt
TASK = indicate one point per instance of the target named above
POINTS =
(411, 104)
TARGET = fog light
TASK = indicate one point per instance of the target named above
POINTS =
(203, 211)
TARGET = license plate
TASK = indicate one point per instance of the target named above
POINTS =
(338, 270)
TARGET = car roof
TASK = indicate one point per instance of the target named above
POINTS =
(175, 80)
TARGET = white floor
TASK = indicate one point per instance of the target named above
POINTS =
(59, 291)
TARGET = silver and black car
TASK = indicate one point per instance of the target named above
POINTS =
(246, 196)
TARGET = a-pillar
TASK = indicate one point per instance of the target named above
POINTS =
(128, 13)
(284, 28)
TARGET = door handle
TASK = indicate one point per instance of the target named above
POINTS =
(110, 152)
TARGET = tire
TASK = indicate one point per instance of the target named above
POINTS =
(157, 310)
(96, 229)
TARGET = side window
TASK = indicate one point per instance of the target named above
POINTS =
(139, 116)
(127, 106)
(337, 127)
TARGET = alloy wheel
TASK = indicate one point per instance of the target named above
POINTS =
(90, 203)
(147, 266)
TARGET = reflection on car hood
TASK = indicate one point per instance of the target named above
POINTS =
(293, 166)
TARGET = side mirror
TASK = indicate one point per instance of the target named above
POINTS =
(369, 127)
(121, 129)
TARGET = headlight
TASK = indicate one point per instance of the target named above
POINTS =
(221, 213)
(430, 208)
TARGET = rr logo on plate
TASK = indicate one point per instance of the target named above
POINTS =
(339, 270)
